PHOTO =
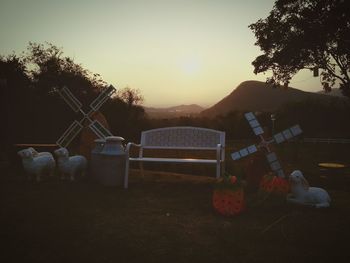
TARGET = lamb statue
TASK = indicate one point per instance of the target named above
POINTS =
(37, 164)
(303, 194)
(35, 153)
(71, 166)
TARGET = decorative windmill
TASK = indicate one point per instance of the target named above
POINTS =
(265, 143)
(76, 106)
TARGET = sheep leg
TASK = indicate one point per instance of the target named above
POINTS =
(298, 202)
(293, 200)
(38, 178)
(29, 176)
(322, 205)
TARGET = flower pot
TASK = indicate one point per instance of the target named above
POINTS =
(228, 196)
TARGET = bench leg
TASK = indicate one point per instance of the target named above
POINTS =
(141, 168)
(126, 176)
(222, 168)
(218, 166)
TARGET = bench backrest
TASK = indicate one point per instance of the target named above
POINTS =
(182, 138)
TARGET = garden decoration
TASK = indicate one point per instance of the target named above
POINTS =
(228, 196)
(37, 164)
(303, 194)
(72, 166)
(77, 126)
(332, 165)
(274, 184)
(265, 143)
(35, 153)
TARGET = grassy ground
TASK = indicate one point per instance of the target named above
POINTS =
(162, 217)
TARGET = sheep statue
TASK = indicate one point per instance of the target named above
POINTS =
(71, 166)
(302, 194)
(37, 164)
(35, 153)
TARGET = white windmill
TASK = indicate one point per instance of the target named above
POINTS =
(77, 126)
(265, 143)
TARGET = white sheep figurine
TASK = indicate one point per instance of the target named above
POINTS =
(35, 153)
(71, 166)
(38, 164)
(303, 194)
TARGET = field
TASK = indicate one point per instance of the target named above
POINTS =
(168, 217)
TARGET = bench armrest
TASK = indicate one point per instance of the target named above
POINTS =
(128, 146)
(220, 152)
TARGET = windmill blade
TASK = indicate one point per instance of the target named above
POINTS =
(287, 134)
(275, 164)
(69, 98)
(69, 134)
(98, 102)
(253, 122)
(296, 130)
(244, 152)
(99, 130)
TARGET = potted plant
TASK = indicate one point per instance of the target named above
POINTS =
(228, 195)
(273, 184)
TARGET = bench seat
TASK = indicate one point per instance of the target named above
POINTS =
(172, 160)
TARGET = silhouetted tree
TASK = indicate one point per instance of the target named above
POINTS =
(49, 69)
(15, 95)
(305, 34)
(130, 96)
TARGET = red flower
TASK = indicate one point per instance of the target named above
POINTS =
(233, 179)
(274, 184)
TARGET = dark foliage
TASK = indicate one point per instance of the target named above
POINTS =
(306, 34)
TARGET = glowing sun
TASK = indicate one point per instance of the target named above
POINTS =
(191, 66)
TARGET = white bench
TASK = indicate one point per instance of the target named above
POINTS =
(181, 138)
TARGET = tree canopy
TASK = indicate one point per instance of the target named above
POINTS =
(305, 34)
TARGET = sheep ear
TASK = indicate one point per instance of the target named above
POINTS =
(305, 183)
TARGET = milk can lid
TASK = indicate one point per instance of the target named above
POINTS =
(114, 139)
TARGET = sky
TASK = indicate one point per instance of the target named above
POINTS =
(174, 52)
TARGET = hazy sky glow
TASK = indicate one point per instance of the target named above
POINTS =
(175, 52)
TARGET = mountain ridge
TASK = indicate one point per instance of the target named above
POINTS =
(174, 111)
(254, 95)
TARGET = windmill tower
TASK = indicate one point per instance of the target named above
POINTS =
(74, 129)
(265, 143)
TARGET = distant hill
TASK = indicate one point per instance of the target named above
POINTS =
(172, 112)
(259, 96)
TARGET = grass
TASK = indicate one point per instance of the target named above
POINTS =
(162, 217)
(168, 217)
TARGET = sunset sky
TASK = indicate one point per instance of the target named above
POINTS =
(174, 52)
